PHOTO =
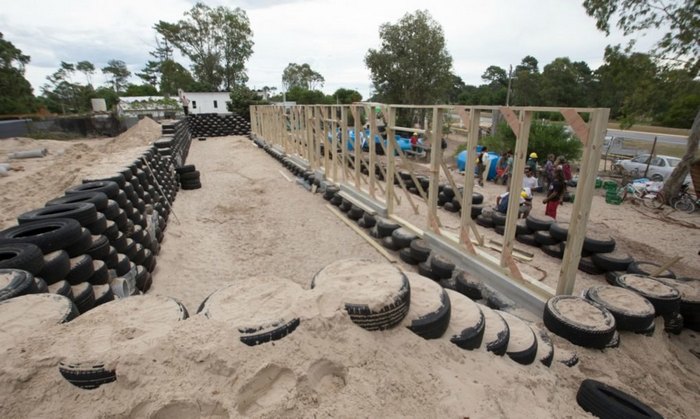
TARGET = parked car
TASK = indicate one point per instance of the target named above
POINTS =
(660, 167)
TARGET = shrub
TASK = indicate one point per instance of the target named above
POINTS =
(545, 138)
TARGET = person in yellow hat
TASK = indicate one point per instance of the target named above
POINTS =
(524, 208)
(532, 163)
(414, 142)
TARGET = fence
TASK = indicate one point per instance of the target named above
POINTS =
(344, 143)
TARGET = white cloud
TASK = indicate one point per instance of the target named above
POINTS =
(333, 36)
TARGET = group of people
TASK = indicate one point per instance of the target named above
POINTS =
(556, 173)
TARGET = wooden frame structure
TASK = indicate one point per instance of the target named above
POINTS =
(315, 135)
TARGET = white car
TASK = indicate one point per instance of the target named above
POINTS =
(660, 168)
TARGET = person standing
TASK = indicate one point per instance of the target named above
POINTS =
(414, 142)
(549, 170)
(555, 192)
(481, 166)
(501, 167)
(532, 163)
(509, 167)
(529, 181)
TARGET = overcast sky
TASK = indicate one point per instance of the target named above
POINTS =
(333, 36)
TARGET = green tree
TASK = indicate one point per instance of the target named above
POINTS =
(150, 73)
(241, 99)
(118, 72)
(526, 84)
(412, 65)
(15, 91)
(545, 138)
(304, 96)
(295, 75)
(456, 88)
(347, 96)
(141, 90)
(174, 76)
(110, 96)
(566, 83)
(87, 68)
(681, 43)
(217, 40)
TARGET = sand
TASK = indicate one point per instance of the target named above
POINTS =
(648, 286)
(247, 221)
(583, 312)
(624, 300)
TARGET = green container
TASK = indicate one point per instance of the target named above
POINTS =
(610, 185)
(613, 200)
(598, 183)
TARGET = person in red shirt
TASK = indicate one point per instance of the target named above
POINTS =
(555, 193)
(414, 141)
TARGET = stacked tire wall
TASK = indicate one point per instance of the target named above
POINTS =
(100, 240)
(216, 125)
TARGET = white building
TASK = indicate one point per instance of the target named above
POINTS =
(153, 106)
(206, 102)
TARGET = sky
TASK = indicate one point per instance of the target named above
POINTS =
(333, 36)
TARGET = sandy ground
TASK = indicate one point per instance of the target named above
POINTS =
(249, 220)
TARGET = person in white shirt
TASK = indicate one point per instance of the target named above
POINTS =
(530, 181)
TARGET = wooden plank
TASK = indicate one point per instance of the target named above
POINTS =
(577, 124)
(466, 221)
(361, 233)
(666, 265)
(516, 186)
(435, 159)
(582, 205)
(510, 118)
(357, 145)
(391, 171)
(412, 130)
(372, 152)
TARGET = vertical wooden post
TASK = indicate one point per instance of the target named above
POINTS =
(372, 149)
(390, 118)
(435, 160)
(344, 139)
(356, 145)
(522, 138)
(582, 204)
(469, 164)
(334, 142)
(318, 138)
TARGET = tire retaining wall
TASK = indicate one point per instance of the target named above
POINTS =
(216, 125)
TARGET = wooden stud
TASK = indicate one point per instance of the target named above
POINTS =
(391, 170)
(510, 118)
(666, 265)
(466, 221)
(582, 205)
(435, 159)
(577, 124)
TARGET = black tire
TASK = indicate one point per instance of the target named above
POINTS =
(426, 270)
(450, 207)
(56, 267)
(647, 268)
(103, 294)
(40, 285)
(120, 243)
(48, 235)
(521, 227)
(499, 219)
(130, 250)
(386, 227)
(369, 219)
(122, 221)
(117, 178)
(62, 288)
(614, 261)
(84, 212)
(544, 238)
(405, 255)
(559, 231)
(87, 377)
(665, 298)
(388, 242)
(523, 351)
(611, 277)
(121, 199)
(185, 169)
(467, 285)
(539, 223)
(477, 198)
(83, 297)
(636, 320)
(99, 249)
(25, 256)
(575, 331)
(370, 318)
(476, 211)
(113, 258)
(111, 189)
(499, 229)
(607, 402)
(467, 323)
(355, 213)
(81, 269)
(598, 244)
(585, 264)
(484, 221)
(99, 226)
(100, 275)
(528, 239)
(18, 283)
(55, 309)
(496, 333)
(187, 176)
(419, 250)
(81, 245)
(337, 200)
(123, 265)
(111, 211)
(430, 325)
(98, 199)
(345, 206)
(189, 186)
(442, 267)
(142, 276)
(553, 250)
(112, 231)
(403, 237)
